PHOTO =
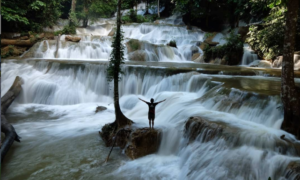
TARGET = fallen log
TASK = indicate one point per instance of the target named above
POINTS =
(10, 136)
(18, 42)
(11, 94)
(6, 127)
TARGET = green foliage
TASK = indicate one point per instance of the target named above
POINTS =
(172, 43)
(133, 17)
(233, 46)
(134, 44)
(94, 9)
(5, 54)
(267, 39)
(69, 29)
(117, 56)
(30, 15)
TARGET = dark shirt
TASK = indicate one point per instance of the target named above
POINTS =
(152, 107)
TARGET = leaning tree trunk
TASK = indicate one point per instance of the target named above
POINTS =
(7, 128)
(289, 95)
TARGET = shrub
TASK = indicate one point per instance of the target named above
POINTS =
(232, 51)
(172, 43)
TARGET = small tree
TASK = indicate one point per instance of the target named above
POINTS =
(114, 69)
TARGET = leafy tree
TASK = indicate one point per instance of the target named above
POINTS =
(114, 69)
(29, 15)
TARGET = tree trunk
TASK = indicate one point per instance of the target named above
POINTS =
(10, 136)
(7, 128)
(73, 6)
(146, 12)
(289, 95)
(86, 12)
(121, 119)
(158, 14)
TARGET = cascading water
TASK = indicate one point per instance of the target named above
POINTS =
(249, 56)
(96, 44)
(55, 116)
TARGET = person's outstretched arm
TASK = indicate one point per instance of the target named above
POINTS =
(160, 101)
(143, 100)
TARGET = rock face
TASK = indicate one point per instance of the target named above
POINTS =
(293, 170)
(138, 55)
(143, 142)
(100, 108)
(72, 38)
(203, 130)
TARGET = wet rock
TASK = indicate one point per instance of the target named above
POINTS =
(133, 45)
(204, 130)
(143, 142)
(196, 56)
(107, 133)
(293, 170)
(138, 55)
(196, 125)
(112, 32)
(203, 45)
(100, 108)
(72, 38)
(261, 63)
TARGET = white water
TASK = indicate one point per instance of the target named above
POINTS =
(56, 109)
(96, 44)
(249, 56)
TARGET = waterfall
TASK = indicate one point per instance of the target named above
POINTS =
(96, 44)
(249, 56)
(57, 106)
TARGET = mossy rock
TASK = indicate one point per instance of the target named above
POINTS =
(133, 45)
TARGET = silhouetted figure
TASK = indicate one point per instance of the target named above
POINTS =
(151, 114)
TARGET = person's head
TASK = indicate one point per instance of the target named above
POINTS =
(152, 100)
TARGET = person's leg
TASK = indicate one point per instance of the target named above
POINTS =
(152, 123)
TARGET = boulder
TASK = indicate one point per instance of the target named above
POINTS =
(112, 32)
(100, 108)
(138, 55)
(196, 56)
(143, 142)
(72, 38)
(203, 45)
(204, 130)
(293, 170)
(133, 45)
